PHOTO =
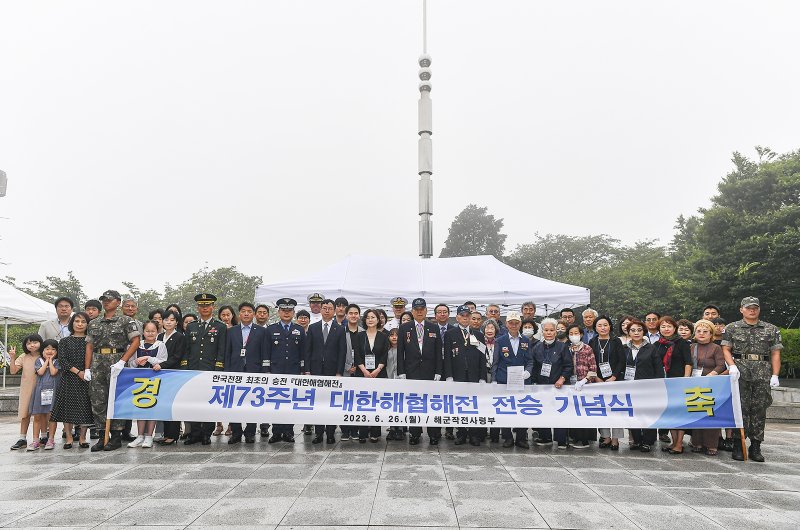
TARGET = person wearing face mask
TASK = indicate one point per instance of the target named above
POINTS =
(552, 365)
(561, 331)
(585, 371)
(641, 362)
(512, 349)
(529, 329)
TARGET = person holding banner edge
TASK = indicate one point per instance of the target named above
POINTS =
(752, 350)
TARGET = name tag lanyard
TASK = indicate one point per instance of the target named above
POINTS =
(244, 344)
(605, 367)
(697, 372)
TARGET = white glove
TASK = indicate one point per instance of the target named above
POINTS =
(494, 382)
(482, 381)
(87, 375)
(437, 377)
(450, 380)
(773, 381)
(526, 374)
(401, 376)
(119, 365)
(733, 371)
(579, 385)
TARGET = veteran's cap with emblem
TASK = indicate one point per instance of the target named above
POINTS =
(418, 302)
(111, 294)
(398, 301)
(750, 300)
(286, 303)
(513, 315)
(462, 309)
(314, 298)
(205, 299)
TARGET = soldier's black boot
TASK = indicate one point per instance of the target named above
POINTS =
(99, 445)
(755, 451)
(115, 442)
(737, 453)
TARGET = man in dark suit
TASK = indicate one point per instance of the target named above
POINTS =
(419, 356)
(441, 314)
(465, 361)
(245, 351)
(285, 355)
(324, 355)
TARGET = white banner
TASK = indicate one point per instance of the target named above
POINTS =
(186, 395)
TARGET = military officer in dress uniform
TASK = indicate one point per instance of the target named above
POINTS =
(752, 350)
(465, 360)
(205, 350)
(111, 339)
(419, 356)
(398, 304)
(315, 306)
(285, 355)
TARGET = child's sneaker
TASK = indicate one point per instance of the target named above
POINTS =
(49, 446)
(137, 441)
(148, 442)
(34, 446)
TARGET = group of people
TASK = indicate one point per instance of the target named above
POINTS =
(67, 366)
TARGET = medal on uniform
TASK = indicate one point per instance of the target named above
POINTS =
(242, 352)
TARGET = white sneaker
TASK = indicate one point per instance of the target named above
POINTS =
(137, 442)
(148, 442)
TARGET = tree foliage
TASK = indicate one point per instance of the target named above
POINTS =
(474, 232)
(52, 288)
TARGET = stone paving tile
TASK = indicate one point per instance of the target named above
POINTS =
(337, 489)
(27, 489)
(297, 458)
(538, 493)
(28, 471)
(520, 460)
(426, 511)
(165, 511)
(781, 500)
(90, 472)
(348, 471)
(660, 517)
(219, 471)
(711, 497)
(196, 489)
(74, 512)
(751, 519)
(647, 495)
(284, 471)
(740, 481)
(413, 489)
(329, 511)
(155, 472)
(411, 472)
(588, 515)
(120, 489)
(673, 478)
(486, 473)
(341, 457)
(183, 458)
(607, 476)
(517, 512)
(254, 459)
(541, 475)
(14, 510)
(232, 512)
(412, 459)
(263, 488)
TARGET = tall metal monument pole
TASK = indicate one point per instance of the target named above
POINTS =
(425, 145)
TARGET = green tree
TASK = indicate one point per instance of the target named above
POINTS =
(53, 287)
(748, 241)
(566, 258)
(229, 285)
(147, 299)
(474, 232)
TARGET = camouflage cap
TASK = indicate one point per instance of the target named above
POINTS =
(750, 300)
(110, 295)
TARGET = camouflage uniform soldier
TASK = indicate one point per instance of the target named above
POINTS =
(752, 350)
(111, 340)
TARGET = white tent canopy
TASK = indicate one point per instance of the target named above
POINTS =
(17, 307)
(373, 281)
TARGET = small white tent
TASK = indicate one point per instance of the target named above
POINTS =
(373, 281)
(17, 307)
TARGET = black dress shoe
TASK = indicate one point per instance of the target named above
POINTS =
(474, 441)
(307, 430)
(494, 439)
(449, 436)
(274, 438)
(93, 435)
(737, 452)
(414, 440)
(288, 437)
(317, 439)
(508, 443)
(264, 432)
(522, 444)
(460, 441)
(249, 438)
(434, 441)
(755, 451)
(331, 440)
(127, 437)
(206, 440)
(191, 441)
(235, 439)
(21, 444)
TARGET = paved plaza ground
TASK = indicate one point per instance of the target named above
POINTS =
(396, 485)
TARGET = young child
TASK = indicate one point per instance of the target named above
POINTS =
(151, 353)
(48, 374)
(31, 346)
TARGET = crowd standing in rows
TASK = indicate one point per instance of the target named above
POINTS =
(67, 366)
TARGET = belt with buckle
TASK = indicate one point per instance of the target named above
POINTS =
(108, 351)
(751, 357)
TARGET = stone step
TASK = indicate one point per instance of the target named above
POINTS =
(784, 412)
(786, 395)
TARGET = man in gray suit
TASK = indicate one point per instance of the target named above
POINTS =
(57, 329)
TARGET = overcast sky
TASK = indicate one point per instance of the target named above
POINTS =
(143, 140)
